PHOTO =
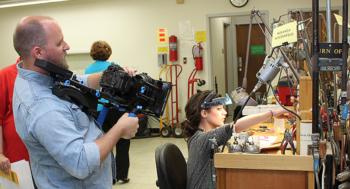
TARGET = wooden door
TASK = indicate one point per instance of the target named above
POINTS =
(256, 57)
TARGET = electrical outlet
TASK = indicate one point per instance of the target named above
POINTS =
(184, 60)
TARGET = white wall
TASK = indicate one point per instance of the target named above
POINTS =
(130, 27)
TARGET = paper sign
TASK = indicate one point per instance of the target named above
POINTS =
(162, 50)
(286, 33)
(200, 36)
(339, 20)
(186, 31)
(162, 36)
(162, 41)
(12, 176)
(267, 141)
(20, 178)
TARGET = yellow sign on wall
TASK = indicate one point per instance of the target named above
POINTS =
(162, 50)
(286, 33)
(200, 36)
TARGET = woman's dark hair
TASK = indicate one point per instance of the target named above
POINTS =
(193, 111)
(100, 50)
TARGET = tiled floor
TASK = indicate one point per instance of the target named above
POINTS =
(142, 172)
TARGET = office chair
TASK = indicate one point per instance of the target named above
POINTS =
(171, 167)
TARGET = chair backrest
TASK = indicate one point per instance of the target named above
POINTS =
(171, 167)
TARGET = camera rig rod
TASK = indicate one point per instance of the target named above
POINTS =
(315, 68)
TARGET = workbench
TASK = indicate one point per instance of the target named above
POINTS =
(270, 171)
(267, 170)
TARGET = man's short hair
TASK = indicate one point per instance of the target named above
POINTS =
(100, 50)
(28, 34)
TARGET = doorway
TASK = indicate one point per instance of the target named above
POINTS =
(228, 44)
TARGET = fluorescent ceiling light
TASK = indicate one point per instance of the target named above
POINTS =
(16, 3)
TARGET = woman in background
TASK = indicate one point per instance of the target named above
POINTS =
(100, 52)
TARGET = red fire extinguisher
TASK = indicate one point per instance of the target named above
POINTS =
(197, 52)
(172, 48)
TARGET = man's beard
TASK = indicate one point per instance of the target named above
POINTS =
(63, 64)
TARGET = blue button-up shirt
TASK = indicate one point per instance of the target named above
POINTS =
(59, 137)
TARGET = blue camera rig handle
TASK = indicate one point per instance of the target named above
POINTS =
(136, 111)
(102, 115)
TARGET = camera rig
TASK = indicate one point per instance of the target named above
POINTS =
(139, 94)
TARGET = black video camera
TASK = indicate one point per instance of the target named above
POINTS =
(139, 94)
